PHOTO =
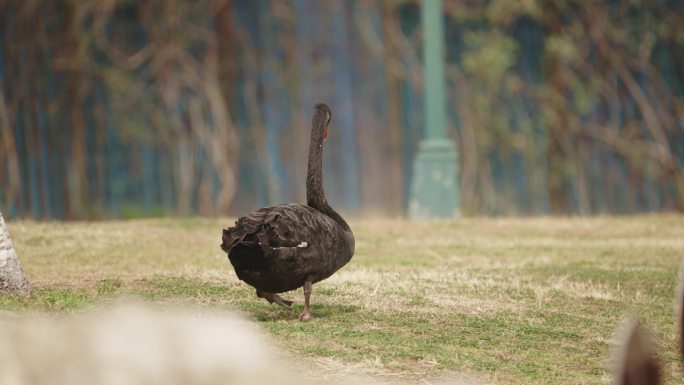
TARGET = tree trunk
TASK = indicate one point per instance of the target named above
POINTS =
(557, 140)
(392, 80)
(76, 175)
(12, 277)
(12, 184)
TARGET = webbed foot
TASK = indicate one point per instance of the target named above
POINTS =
(305, 315)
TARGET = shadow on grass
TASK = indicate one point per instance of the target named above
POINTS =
(270, 313)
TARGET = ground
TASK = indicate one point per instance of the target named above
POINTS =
(501, 301)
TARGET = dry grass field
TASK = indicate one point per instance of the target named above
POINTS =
(500, 301)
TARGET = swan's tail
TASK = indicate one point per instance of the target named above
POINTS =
(244, 251)
(231, 236)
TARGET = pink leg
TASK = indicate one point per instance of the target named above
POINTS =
(305, 315)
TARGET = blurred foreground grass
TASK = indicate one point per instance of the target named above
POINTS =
(534, 301)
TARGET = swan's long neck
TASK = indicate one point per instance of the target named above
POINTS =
(315, 196)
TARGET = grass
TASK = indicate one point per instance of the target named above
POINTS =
(534, 301)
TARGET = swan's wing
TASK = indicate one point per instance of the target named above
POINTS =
(282, 226)
(296, 226)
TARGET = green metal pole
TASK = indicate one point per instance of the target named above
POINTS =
(433, 67)
(434, 187)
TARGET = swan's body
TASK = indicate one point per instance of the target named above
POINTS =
(278, 248)
(284, 247)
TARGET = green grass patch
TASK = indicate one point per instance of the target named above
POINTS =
(533, 301)
(50, 299)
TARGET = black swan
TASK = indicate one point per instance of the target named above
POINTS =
(281, 248)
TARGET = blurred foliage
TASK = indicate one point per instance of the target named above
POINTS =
(600, 82)
(115, 107)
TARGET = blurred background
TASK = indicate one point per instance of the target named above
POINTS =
(122, 109)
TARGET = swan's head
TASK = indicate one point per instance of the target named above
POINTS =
(323, 115)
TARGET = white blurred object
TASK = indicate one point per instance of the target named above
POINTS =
(135, 345)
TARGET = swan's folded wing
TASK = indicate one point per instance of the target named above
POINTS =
(296, 225)
(282, 226)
